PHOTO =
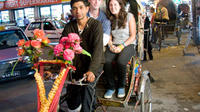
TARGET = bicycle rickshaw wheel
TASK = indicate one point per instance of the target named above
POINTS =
(144, 96)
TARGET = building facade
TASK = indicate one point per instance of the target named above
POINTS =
(15, 10)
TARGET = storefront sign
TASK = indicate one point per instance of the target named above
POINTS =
(12, 4)
(66, 0)
(1, 5)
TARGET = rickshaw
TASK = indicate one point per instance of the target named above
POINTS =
(138, 92)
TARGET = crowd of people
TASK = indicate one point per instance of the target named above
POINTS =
(110, 36)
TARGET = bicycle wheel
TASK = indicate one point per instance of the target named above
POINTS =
(145, 97)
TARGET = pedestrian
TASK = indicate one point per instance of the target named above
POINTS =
(120, 47)
(152, 31)
(98, 14)
(161, 14)
(26, 22)
(82, 98)
(147, 42)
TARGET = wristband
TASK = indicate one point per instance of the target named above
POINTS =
(124, 44)
(121, 47)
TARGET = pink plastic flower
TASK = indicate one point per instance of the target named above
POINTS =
(20, 52)
(58, 49)
(36, 44)
(45, 40)
(73, 37)
(67, 45)
(63, 40)
(28, 43)
(77, 48)
(68, 54)
(39, 33)
(21, 42)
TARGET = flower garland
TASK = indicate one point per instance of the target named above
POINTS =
(45, 103)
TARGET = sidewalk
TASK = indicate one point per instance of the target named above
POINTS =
(177, 77)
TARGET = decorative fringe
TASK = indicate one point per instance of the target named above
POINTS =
(44, 102)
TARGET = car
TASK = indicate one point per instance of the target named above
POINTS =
(8, 55)
(52, 29)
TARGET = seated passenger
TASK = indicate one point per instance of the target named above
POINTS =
(98, 14)
(81, 98)
(120, 46)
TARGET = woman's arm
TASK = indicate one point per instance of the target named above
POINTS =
(132, 31)
(111, 46)
(132, 37)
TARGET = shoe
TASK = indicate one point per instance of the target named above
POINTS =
(121, 93)
(109, 93)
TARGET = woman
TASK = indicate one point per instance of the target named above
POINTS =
(120, 46)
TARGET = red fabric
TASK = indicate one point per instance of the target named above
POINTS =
(53, 106)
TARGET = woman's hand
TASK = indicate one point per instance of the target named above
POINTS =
(112, 48)
(119, 48)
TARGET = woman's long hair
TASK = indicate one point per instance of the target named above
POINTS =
(122, 16)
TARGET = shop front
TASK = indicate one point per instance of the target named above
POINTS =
(15, 10)
(5, 16)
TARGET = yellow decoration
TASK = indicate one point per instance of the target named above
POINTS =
(45, 103)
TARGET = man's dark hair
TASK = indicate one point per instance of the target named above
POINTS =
(84, 1)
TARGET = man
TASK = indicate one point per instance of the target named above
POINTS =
(98, 14)
(161, 14)
(26, 21)
(91, 34)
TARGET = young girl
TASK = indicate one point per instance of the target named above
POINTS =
(120, 47)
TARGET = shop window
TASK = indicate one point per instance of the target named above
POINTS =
(48, 26)
(5, 16)
(29, 13)
(58, 10)
(35, 25)
(66, 10)
(45, 12)
(19, 17)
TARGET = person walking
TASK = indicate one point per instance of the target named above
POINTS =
(26, 21)
(147, 42)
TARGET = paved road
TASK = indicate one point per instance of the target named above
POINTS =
(18, 96)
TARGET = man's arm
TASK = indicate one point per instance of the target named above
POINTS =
(97, 55)
(106, 28)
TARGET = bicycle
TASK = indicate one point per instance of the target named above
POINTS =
(138, 88)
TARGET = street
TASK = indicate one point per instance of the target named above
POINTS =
(176, 87)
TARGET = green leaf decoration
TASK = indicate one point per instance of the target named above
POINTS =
(86, 53)
(69, 62)
(50, 52)
(14, 67)
(29, 51)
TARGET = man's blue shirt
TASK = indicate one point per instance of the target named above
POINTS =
(105, 22)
